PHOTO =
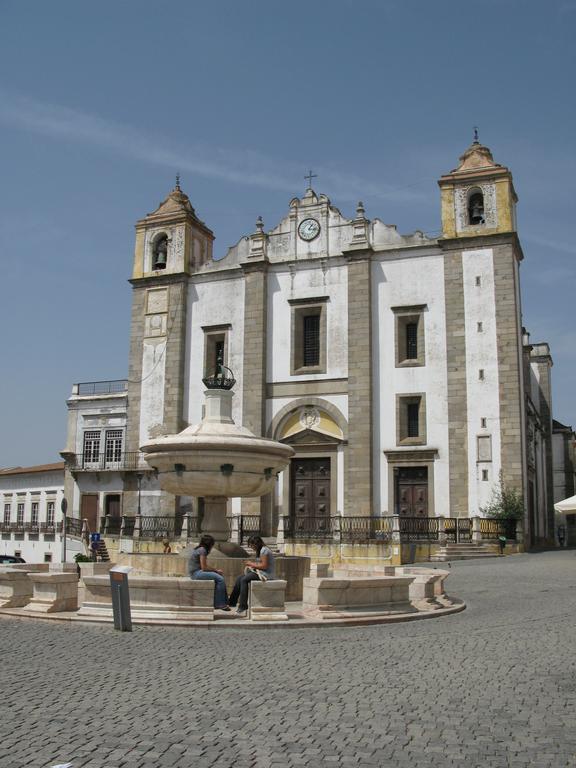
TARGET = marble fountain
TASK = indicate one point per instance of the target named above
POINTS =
(218, 460)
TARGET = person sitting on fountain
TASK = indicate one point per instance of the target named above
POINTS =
(198, 569)
(260, 569)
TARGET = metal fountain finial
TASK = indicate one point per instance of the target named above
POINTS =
(178, 182)
(476, 140)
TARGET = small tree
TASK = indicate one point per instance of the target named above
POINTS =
(506, 503)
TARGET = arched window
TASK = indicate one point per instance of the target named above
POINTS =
(160, 253)
(476, 207)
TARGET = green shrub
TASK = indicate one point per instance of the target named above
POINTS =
(80, 558)
(506, 503)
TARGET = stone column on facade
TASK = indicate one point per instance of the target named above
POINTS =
(358, 482)
(254, 362)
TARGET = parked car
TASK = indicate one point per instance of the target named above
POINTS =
(7, 559)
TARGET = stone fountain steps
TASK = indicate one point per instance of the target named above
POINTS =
(464, 551)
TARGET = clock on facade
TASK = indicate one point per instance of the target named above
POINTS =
(309, 229)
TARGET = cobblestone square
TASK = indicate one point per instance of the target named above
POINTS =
(491, 687)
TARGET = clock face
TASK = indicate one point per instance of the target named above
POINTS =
(309, 229)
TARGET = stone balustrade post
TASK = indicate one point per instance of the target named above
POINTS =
(336, 528)
(442, 530)
(280, 540)
(106, 524)
(185, 528)
(396, 537)
(476, 532)
(137, 527)
(122, 525)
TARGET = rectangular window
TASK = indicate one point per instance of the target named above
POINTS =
(34, 513)
(311, 339)
(409, 335)
(20, 513)
(50, 506)
(308, 353)
(47, 557)
(478, 281)
(113, 449)
(484, 474)
(7, 513)
(481, 374)
(411, 419)
(91, 446)
(413, 415)
(483, 422)
(479, 327)
(411, 341)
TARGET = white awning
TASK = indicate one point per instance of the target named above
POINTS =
(568, 505)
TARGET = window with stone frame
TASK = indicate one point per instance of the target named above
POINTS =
(20, 513)
(34, 514)
(308, 336)
(215, 347)
(7, 513)
(50, 509)
(409, 336)
(411, 419)
(113, 445)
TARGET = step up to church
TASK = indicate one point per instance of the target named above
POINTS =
(464, 551)
(103, 551)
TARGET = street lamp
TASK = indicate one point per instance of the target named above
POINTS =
(64, 508)
(139, 476)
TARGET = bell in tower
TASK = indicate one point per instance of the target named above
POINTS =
(160, 253)
(476, 208)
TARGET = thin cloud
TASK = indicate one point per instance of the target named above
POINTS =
(246, 167)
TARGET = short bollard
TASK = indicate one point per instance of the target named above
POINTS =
(121, 598)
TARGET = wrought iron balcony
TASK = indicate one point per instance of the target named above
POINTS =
(109, 462)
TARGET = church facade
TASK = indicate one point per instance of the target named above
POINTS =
(395, 365)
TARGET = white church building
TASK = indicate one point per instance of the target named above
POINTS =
(395, 365)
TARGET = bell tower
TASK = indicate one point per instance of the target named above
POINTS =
(482, 257)
(478, 196)
(171, 244)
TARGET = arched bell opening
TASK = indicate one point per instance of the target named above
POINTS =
(160, 252)
(476, 207)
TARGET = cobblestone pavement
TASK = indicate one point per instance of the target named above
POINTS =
(492, 686)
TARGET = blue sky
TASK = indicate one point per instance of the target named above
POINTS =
(101, 103)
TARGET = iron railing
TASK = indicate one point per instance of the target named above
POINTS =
(73, 526)
(458, 529)
(128, 529)
(248, 525)
(159, 528)
(121, 460)
(111, 525)
(102, 387)
(308, 528)
(353, 529)
(492, 528)
(418, 528)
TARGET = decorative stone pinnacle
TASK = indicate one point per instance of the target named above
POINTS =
(360, 210)
(178, 182)
(259, 225)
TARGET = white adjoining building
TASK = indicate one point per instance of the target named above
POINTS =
(395, 365)
(30, 514)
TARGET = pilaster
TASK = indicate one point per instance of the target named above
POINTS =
(358, 499)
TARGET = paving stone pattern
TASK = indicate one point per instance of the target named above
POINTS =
(492, 686)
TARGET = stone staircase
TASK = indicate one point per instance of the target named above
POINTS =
(466, 550)
(103, 551)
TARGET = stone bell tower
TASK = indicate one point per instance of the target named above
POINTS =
(482, 255)
(171, 243)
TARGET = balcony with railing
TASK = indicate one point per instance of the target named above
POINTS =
(110, 462)
(91, 388)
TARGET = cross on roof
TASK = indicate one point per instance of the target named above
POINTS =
(310, 176)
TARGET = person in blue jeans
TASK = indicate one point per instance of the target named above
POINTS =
(198, 569)
(262, 568)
